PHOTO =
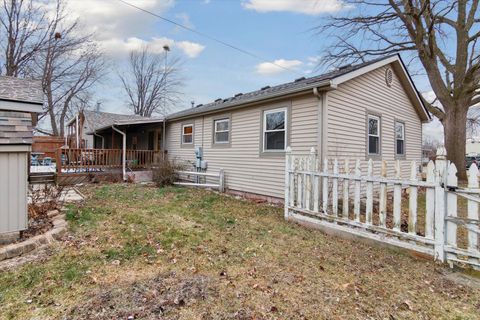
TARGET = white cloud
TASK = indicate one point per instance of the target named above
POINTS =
(117, 46)
(310, 7)
(277, 66)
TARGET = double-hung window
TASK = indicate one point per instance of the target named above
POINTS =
(187, 134)
(373, 127)
(275, 130)
(222, 131)
(399, 138)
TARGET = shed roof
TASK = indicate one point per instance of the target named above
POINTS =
(21, 90)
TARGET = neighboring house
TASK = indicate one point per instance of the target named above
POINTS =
(81, 128)
(366, 111)
(20, 101)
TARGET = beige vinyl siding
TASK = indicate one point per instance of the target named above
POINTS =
(13, 189)
(348, 107)
(245, 168)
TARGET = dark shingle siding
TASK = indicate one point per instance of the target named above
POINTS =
(22, 90)
(15, 127)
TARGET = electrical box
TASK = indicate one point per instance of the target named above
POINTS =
(198, 152)
(203, 165)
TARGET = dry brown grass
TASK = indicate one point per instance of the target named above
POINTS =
(191, 254)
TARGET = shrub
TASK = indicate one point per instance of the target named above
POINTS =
(165, 172)
(44, 198)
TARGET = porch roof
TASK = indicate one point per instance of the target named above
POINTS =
(123, 123)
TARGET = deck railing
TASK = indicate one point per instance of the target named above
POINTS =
(93, 160)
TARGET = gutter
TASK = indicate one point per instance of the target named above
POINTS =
(124, 152)
(329, 84)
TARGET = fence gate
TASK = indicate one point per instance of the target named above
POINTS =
(434, 216)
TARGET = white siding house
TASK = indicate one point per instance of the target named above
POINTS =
(371, 110)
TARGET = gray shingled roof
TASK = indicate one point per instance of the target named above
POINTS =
(266, 92)
(15, 127)
(22, 90)
(95, 120)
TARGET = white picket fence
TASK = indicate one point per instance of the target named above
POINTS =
(370, 205)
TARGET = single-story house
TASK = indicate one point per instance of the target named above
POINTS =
(20, 102)
(366, 111)
(81, 129)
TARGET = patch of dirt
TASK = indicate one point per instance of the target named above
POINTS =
(149, 299)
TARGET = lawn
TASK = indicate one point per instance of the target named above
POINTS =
(147, 253)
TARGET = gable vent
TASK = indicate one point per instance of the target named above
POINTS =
(389, 77)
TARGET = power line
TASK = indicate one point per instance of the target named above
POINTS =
(202, 34)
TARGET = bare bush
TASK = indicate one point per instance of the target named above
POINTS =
(43, 199)
(165, 172)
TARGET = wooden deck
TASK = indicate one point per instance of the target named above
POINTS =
(102, 160)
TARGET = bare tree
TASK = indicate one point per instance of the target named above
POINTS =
(24, 28)
(69, 66)
(152, 84)
(441, 35)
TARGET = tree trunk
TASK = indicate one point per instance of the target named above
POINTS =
(454, 125)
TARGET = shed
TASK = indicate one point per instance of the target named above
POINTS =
(20, 101)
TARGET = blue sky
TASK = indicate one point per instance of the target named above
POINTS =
(276, 30)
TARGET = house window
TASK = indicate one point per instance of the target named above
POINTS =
(373, 135)
(274, 130)
(399, 138)
(222, 131)
(187, 134)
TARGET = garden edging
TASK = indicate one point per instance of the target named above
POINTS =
(56, 233)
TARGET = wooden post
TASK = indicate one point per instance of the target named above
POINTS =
(288, 167)
(309, 178)
(335, 189)
(430, 202)
(412, 207)
(473, 210)
(316, 191)
(369, 204)
(325, 187)
(397, 198)
(452, 182)
(383, 197)
(346, 190)
(440, 204)
(221, 181)
(356, 203)
(59, 160)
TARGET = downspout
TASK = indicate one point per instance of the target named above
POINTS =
(101, 137)
(164, 137)
(124, 152)
(321, 114)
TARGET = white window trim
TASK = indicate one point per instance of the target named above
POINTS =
(403, 138)
(264, 131)
(379, 130)
(221, 131)
(183, 133)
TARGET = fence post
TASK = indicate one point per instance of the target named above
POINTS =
(440, 204)
(288, 166)
(221, 182)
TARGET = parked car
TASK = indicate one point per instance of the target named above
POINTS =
(470, 159)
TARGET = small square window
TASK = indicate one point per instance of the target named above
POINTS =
(222, 131)
(373, 125)
(187, 134)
